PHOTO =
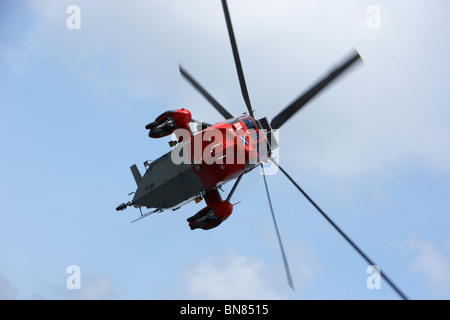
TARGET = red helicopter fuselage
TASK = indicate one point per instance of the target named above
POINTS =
(198, 164)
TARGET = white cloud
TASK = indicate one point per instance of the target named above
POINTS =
(434, 264)
(229, 276)
(95, 287)
(382, 114)
(7, 291)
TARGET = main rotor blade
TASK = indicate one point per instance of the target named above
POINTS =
(237, 60)
(286, 266)
(290, 110)
(205, 94)
(342, 233)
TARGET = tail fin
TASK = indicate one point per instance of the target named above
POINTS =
(136, 174)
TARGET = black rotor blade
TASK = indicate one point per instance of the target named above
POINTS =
(283, 254)
(290, 110)
(342, 233)
(205, 94)
(237, 60)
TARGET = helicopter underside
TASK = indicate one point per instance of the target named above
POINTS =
(167, 185)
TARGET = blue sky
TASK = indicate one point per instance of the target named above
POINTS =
(372, 150)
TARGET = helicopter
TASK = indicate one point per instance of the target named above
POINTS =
(201, 162)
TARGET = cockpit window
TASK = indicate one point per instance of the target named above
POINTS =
(232, 120)
(249, 123)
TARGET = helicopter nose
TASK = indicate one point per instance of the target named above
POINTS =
(151, 125)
